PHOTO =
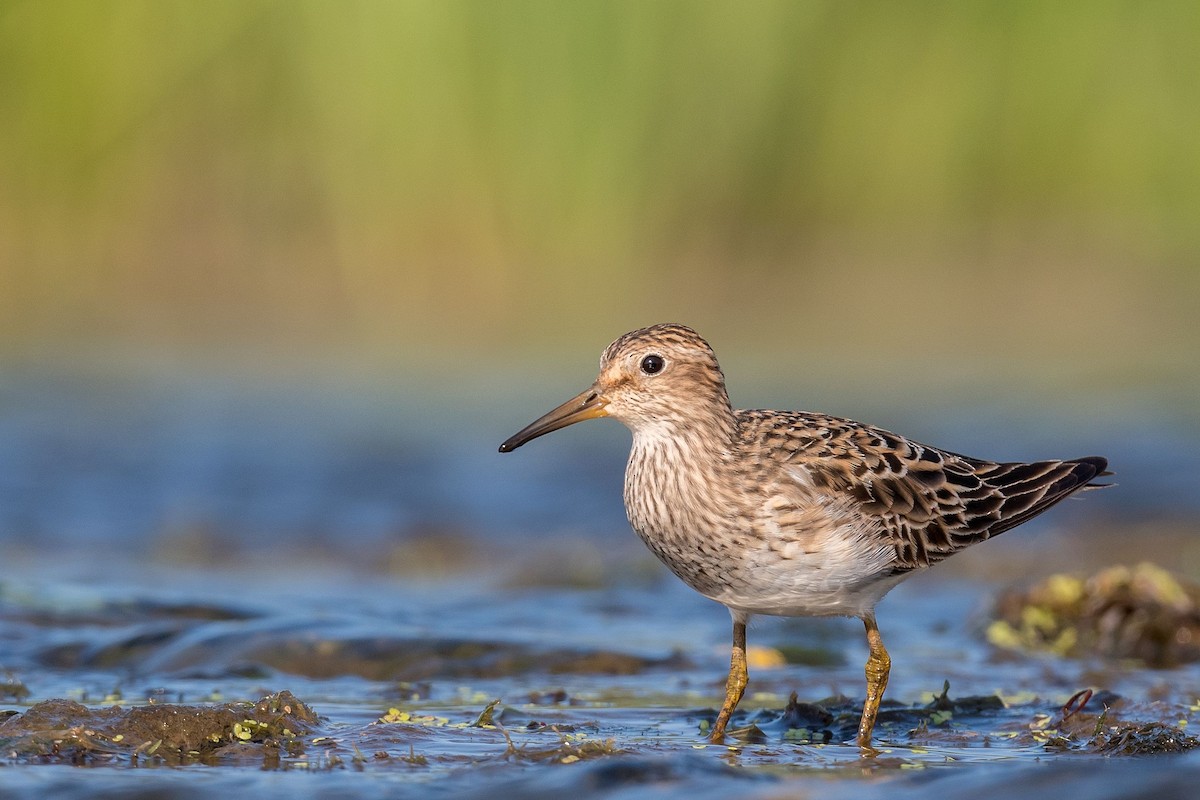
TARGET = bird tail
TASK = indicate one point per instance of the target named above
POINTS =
(1030, 489)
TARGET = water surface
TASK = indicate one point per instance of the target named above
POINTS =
(202, 542)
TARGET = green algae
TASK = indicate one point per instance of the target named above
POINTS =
(69, 731)
(1142, 612)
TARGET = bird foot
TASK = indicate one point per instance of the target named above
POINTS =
(867, 750)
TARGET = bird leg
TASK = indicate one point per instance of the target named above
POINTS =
(879, 664)
(736, 683)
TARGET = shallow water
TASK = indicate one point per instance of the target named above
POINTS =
(599, 688)
(199, 543)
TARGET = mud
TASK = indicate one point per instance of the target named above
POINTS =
(67, 731)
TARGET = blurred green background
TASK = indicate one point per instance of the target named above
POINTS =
(981, 186)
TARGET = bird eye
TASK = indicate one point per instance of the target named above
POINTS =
(652, 364)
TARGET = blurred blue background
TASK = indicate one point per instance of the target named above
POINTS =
(285, 273)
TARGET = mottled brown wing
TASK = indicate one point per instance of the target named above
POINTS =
(978, 500)
(931, 502)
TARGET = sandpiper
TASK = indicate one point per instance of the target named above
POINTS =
(791, 513)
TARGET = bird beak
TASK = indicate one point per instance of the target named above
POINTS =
(586, 405)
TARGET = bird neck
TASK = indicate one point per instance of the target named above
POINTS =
(705, 436)
(673, 479)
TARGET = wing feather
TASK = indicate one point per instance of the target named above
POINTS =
(927, 502)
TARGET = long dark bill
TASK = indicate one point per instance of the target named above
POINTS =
(586, 405)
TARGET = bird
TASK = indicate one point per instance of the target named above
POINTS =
(791, 513)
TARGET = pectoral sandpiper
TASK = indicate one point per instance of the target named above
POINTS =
(791, 513)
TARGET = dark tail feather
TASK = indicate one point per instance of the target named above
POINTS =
(1030, 489)
(1100, 464)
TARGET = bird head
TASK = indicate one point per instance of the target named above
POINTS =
(663, 375)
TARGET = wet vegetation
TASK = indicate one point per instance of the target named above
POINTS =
(1077, 728)
(279, 731)
(1142, 612)
(64, 730)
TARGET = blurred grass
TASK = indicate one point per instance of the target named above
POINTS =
(968, 180)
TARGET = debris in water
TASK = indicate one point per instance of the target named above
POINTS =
(71, 732)
(1143, 613)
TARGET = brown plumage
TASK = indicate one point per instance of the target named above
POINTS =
(791, 513)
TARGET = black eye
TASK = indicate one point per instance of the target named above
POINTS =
(652, 365)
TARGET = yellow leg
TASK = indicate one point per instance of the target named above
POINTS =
(879, 665)
(736, 684)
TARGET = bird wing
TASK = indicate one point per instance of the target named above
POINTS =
(925, 502)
